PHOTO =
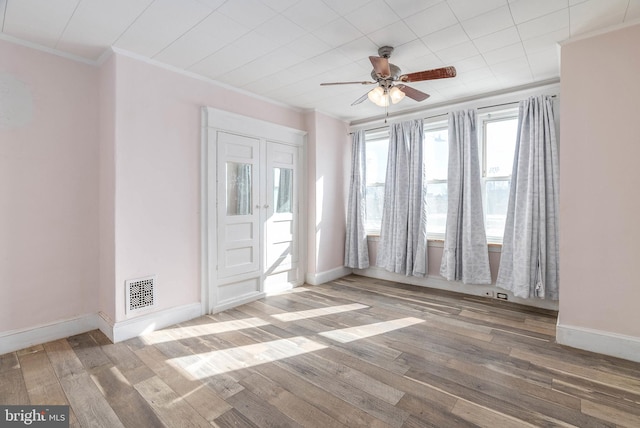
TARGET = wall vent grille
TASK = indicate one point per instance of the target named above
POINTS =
(140, 294)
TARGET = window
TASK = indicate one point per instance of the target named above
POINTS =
(377, 149)
(436, 158)
(497, 139)
(498, 142)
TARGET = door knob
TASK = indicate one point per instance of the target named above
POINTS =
(266, 205)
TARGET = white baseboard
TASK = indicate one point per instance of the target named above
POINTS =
(15, 340)
(440, 283)
(123, 330)
(228, 304)
(602, 342)
(326, 276)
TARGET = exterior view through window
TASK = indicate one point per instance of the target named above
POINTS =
(497, 134)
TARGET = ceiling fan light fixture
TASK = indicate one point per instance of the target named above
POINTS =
(396, 95)
(379, 96)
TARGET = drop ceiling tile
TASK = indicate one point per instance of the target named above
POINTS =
(445, 38)
(545, 24)
(359, 49)
(280, 30)
(466, 9)
(487, 23)
(247, 48)
(152, 31)
(272, 83)
(250, 12)
(468, 77)
(210, 35)
(395, 34)
(337, 33)
(545, 64)
(511, 65)
(470, 64)
(308, 46)
(344, 7)
(594, 14)
(311, 14)
(406, 8)
(546, 41)
(211, 4)
(526, 10)
(457, 53)
(431, 20)
(38, 21)
(280, 5)
(95, 25)
(375, 16)
(497, 40)
(506, 53)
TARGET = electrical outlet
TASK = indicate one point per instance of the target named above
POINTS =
(502, 296)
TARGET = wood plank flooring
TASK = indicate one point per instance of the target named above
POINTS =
(355, 352)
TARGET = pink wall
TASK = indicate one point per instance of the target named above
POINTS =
(107, 188)
(600, 199)
(48, 190)
(157, 174)
(328, 165)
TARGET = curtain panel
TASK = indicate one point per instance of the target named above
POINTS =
(466, 254)
(529, 261)
(356, 251)
(403, 236)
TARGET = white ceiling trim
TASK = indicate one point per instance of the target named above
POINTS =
(48, 50)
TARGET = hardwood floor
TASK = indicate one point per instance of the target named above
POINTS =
(353, 352)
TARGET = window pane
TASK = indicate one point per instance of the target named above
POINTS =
(436, 154)
(497, 193)
(375, 202)
(500, 145)
(436, 208)
(238, 188)
(376, 151)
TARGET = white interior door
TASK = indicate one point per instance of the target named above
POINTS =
(238, 216)
(282, 224)
(252, 200)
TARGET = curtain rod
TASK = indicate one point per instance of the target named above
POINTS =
(445, 114)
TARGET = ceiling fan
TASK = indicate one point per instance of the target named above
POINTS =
(391, 87)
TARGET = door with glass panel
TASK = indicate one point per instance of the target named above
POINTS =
(281, 224)
(257, 226)
(238, 216)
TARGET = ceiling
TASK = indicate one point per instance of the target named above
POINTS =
(284, 49)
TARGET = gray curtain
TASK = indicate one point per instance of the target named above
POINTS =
(356, 251)
(403, 236)
(529, 261)
(466, 255)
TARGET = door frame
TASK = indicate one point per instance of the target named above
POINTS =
(213, 121)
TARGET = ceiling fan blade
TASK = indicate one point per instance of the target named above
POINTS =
(348, 83)
(413, 93)
(436, 73)
(380, 66)
(361, 99)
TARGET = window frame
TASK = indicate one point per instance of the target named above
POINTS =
(374, 136)
(483, 119)
(436, 125)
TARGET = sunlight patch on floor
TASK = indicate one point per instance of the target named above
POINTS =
(311, 313)
(214, 363)
(350, 334)
(169, 334)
